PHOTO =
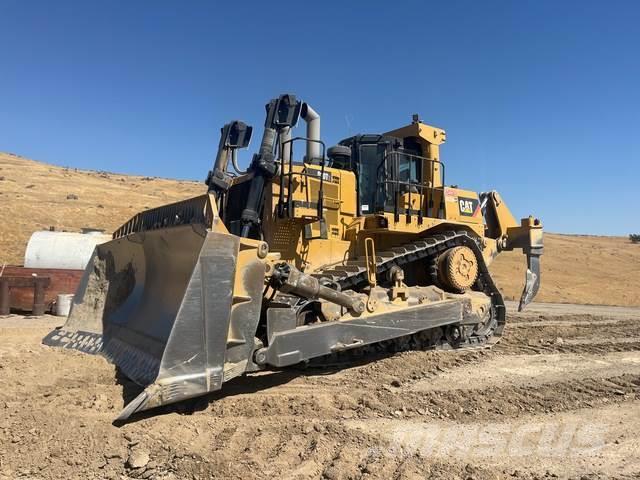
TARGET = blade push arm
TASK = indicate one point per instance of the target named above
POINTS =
(502, 226)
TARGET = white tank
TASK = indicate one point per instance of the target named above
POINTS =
(68, 250)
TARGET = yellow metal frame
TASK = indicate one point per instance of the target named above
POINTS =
(298, 238)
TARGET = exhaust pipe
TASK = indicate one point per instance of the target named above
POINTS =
(285, 149)
(313, 130)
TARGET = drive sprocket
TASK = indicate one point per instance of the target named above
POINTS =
(458, 268)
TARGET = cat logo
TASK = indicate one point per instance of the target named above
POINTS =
(469, 207)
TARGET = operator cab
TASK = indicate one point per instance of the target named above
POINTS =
(383, 166)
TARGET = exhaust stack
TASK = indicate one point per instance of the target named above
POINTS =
(313, 130)
(285, 148)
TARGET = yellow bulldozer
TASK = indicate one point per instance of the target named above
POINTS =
(304, 257)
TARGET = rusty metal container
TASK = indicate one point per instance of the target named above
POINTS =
(60, 281)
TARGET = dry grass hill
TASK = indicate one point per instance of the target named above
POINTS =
(578, 269)
(35, 196)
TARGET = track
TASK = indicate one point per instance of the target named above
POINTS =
(566, 377)
(353, 274)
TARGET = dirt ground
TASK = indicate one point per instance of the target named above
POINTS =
(558, 397)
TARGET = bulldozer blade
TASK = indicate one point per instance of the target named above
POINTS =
(175, 309)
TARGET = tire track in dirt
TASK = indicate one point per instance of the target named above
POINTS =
(309, 449)
(571, 328)
(570, 334)
(555, 445)
(531, 370)
(460, 405)
(532, 322)
(564, 309)
(585, 346)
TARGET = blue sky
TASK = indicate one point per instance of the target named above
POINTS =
(540, 99)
